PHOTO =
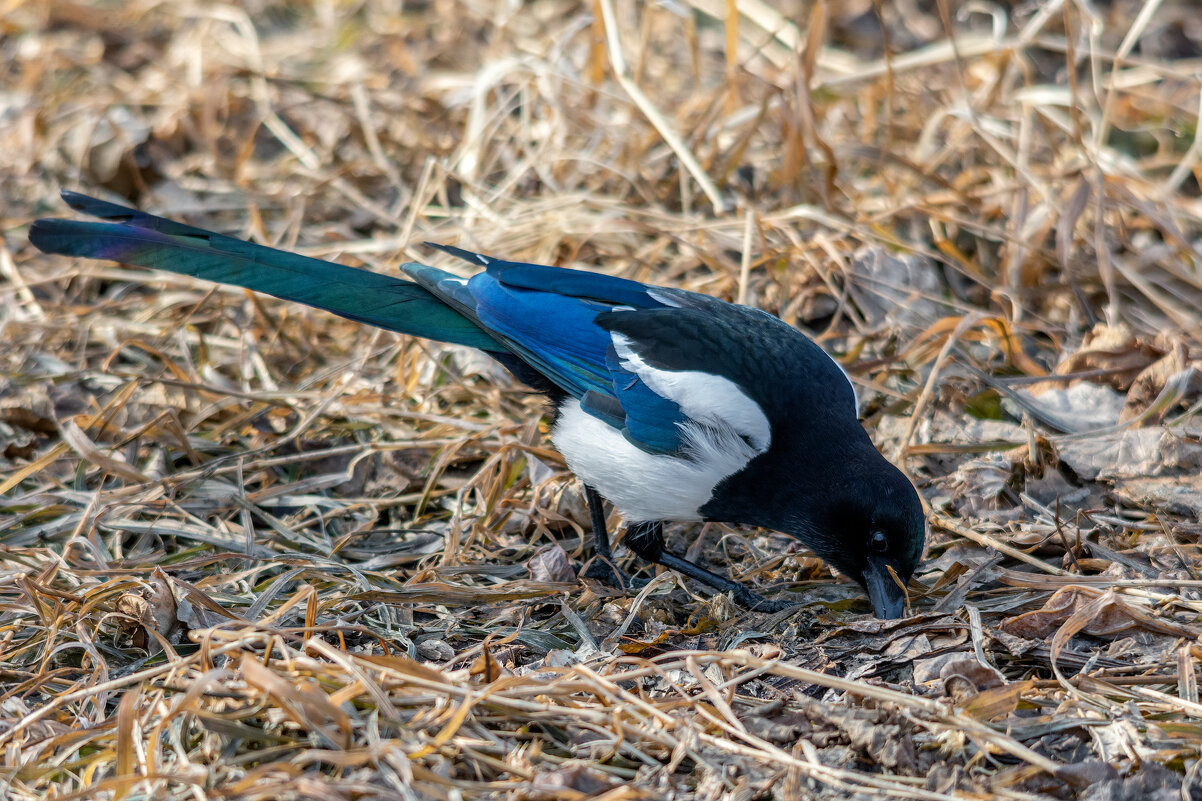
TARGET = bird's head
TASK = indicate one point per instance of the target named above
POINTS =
(860, 514)
(871, 528)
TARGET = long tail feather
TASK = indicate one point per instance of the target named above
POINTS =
(134, 237)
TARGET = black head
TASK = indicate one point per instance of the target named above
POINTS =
(858, 512)
(870, 526)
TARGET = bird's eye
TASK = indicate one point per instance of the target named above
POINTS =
(878, 542)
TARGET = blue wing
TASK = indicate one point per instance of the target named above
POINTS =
(548, 317)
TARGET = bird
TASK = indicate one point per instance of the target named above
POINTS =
(670, 404)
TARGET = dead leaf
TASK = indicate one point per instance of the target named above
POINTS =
(1118, 741)
(1133, 453)
(1153, 379)
(872, 731)
(151, 610)
(997, 702)
(302, 700)
(965, 678)
(1113, 349)
(1084, 406)
(769, 724)
(633, 646)
(486, 665)
(74, 436)
(893, 288)
(575, 777)
(1153, 782)
(435, 650)
(1113, 617)
(551, 564)
(28, 420)
(1171, 495)
(1084, 774)
(980, 488)
(13, 451)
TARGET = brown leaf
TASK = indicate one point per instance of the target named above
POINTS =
(997, 702)
(551, 563)
(1112, 617)
(303, 701)
(573, 776)
(13, 451)
(28, 420)
(486, 665)
(152, 609)
(1113, 349)
(162, 603)
(1148, 385)
(966, 678)
(135, 612)
(632, 646)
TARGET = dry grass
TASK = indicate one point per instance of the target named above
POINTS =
(254, 552)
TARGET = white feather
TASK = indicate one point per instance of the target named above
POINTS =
(645, 486)
(709, 399)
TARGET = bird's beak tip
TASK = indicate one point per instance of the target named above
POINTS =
(888, 599)
(888, 608)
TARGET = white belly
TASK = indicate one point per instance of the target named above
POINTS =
(645, 486)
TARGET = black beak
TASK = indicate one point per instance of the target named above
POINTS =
(888, 600)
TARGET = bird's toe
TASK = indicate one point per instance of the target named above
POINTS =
(754, 602)
(608, 574)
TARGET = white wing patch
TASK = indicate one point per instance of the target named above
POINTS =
(725, 430)
(711, 400)
(646, 486)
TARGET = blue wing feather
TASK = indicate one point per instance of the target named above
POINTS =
(559, 280)
(652, 421)
(557, 334)
(548, 316)
(606, 289)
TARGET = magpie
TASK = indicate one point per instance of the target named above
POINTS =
(674, 406)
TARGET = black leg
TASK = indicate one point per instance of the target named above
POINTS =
(602, 566)
(647, 540)
(596, 512)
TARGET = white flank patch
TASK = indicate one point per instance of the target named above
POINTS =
(709, 399)
(645, 486)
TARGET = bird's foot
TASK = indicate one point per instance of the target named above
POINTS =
(607, 573)
(743, 595)
(754, 602)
